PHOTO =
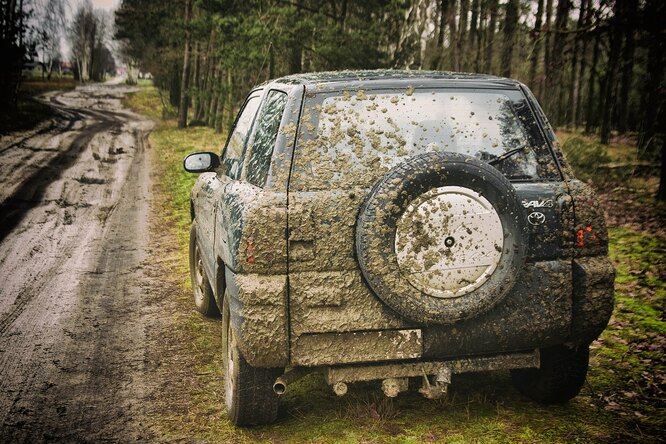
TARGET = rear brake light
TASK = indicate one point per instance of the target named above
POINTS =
(586, 236)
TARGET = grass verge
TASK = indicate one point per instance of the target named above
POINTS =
(30, 112)
(622, 401)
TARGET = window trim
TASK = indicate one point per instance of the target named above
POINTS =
(254, 93)
(247, 157)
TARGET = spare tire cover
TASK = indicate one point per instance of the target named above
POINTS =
(441, 238)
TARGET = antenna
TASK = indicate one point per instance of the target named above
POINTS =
(268, 51)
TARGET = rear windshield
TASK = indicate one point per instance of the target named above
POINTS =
(352, 138)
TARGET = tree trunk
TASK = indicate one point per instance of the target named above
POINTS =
(479, 37)
(296, 59)
(629, 25)
(175, 79)
(473, 30)
(590, 118)
(443, 14)
(195, 80)
(207, 80)
(653, 101)
(547, 63)
(219, 115)
(510, 24)
(575, 80)
(536, 51)
(212, 109)
(661, 193)
(583, 62)
(441, 31)
(453, 37)
(609, 80)
(271, 61)
(556, 83)
(19, 65)
(488, 68)
(93, 35)
(184, 97)
(343, 15)
(230, 99)
(462, 35)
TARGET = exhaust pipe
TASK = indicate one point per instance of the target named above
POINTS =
(281, 383)
(280, 386)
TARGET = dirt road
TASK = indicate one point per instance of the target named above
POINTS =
(74, 316)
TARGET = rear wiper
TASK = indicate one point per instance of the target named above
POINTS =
(507, 155)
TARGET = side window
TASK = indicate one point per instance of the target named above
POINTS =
(265, 134)
(232, 159)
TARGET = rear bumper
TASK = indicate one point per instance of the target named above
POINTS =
(435, 375)
(355, 373)
(593, 298)
(258, 315)
(536, 313)
(553, 303)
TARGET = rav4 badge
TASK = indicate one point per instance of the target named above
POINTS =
(547, 203)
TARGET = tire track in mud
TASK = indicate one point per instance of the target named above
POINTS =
(102, 408)
(14, 208)
(51, 127)
(74, 314)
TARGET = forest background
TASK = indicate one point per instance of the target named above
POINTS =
(594, 65)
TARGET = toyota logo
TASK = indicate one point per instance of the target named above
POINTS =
(536, 218)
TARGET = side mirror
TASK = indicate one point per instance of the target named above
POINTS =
(201, 162)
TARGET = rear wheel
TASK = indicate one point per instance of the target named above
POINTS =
(204, 299)
(560, 377)
(249, 395)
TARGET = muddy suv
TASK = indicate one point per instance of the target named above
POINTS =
(396, 226)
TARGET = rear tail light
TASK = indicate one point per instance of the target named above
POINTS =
(587, 237)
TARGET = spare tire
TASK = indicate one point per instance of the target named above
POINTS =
(441, 238)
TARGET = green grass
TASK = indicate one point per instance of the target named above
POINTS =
(619, 161)
(621, 401)
(632, 348)
(29, 112)
(150, 102)
(145, 82)
(36, 86)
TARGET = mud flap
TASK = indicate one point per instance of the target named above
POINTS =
(593, 298)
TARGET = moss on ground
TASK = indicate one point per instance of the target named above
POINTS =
(623, 399)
